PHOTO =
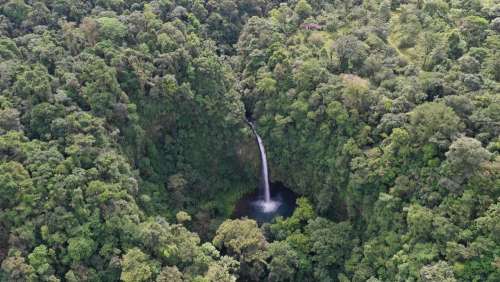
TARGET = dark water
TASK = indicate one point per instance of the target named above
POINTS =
(248, 205)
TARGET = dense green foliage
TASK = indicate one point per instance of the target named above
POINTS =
(123, 142)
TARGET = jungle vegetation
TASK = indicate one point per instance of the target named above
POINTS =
(124, 146)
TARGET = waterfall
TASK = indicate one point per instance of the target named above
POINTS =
(264, 171)
(267, 205)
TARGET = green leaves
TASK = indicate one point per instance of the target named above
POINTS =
(383, 115)
(80, 249)
(40, 259)
(419, 221)
(33, 84)
(284, 262)
(16, 10)
(434, 123)
(14, 182)
(8, 49)
(243, 240)
(473, 28)
(111, 28)
(136, 266)
(303, 9)
(465, 156)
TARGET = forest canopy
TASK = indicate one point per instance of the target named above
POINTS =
(124, 142)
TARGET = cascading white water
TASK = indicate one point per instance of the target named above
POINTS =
(265, 172)
(267, 204)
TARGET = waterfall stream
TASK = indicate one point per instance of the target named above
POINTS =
(264, 171)
(267, 204)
